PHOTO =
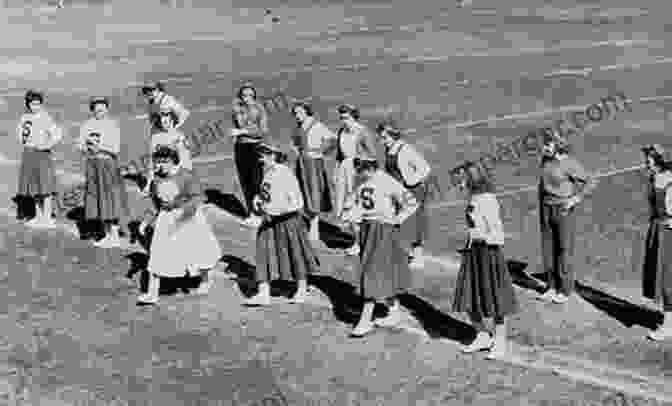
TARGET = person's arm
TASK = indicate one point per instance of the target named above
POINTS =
(584, 181)
(190, 199)
(330, 145)
(55, 133)
(367, 143)
(263, 121)
(179, 109)
(413, 166)
(405, 200)
(490, 211)
(83, 136)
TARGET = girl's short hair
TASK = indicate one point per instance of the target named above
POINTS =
(392, 128)
(148, 89)
(349, 109)
(245, 87)
(657, 154)
(552, 135)
(98, 100)
(477, 178)
(166, 152)
(33, 95)
(305, 106)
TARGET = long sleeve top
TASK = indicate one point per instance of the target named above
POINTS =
(253, 119)
(314, 138)
(172, 138)
(38, 130)
(562, 179)
(406, 164)
(483, 219)
(166, 102)
(105, 133)
(380, 199)
(280, 192)
(350, 143)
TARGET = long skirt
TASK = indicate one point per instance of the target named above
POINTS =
(250, 170)
(105, 191)
(37, 176)
(187, 249)
(283, 249)
(344, 180)
(417, 225)
(657, 272)
(384, 270)
(484, 287)
(314, 183)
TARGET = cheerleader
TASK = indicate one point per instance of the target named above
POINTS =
(283, 249)
(352, 139)
(105, 192)
(409, 168)
(484, 288)
(38, 133)
(170, 136)
(157, 101)
(183, 241)
(380, 204)
(310, 168)
(657, 274)
(563, 184)
(250, 122)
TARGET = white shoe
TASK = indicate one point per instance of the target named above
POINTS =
(252, 221)
(549, 296)
(147, 299)
(417, 262)
(498, 351)
(661, 333)
(392, 319)
(362, 329)
(33, 223)
(352, 251)
(204, 287)
(299, 297)
(482, 342)
(560, 298)
(258, 300)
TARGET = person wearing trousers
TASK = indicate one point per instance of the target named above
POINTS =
(379, 205)
(657, 270)
(311, 171)
(484, 288)
(105, 191)
(283, 249)
(409, 168)
(563, 184)
(250, 121)
(38, 133)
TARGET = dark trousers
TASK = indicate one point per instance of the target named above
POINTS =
(557, 246)
(250, 170)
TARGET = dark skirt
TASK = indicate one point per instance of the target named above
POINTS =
(37, 176)
(314, 183)
(250, 170)
(657, 272)
(283, 249)
(416, 227)
(384, 270)
(105, 195)
(484, 287)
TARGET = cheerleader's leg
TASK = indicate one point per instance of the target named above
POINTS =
(500, 347)
(365, 324)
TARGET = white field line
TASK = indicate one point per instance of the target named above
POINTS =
(367, 65)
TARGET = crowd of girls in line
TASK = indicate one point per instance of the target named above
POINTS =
(371, 199)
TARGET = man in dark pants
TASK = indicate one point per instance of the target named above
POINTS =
(563, 184)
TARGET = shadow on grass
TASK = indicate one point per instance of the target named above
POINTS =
(626, 313)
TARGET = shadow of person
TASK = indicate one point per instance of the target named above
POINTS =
(245, 278)
(625, 312)
(227, 202)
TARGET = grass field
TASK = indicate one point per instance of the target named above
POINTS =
(464, 80)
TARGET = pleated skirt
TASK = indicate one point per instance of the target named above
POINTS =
(384, 270)
(185, 250)
(314, 183)
(657, 270)
(417, 225)
(37, 176)
(283, 249)
(105, 195)
(484, 287)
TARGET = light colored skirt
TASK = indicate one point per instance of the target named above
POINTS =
(187, 250)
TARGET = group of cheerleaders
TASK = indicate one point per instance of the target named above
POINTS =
(372, 200)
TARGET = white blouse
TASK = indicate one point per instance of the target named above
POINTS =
(413, 166)
(484, 219)
(38, 130)
(280, 193)
(107, 129)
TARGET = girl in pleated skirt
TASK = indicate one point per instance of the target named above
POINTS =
(484, 287)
